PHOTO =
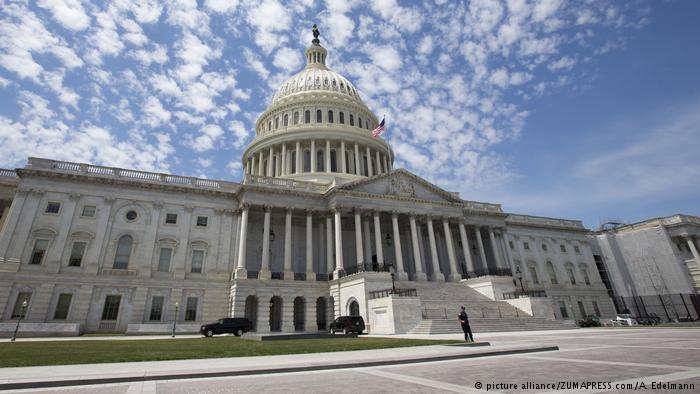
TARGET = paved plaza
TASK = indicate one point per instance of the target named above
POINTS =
(616, 360)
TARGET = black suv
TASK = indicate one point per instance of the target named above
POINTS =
(348, 324)
(236, 326)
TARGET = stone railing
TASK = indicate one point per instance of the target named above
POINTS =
(544, 221)
(482, 206)
(525, 294)
(681, 219)
(284, 183)
(8, 173)
(395, 292)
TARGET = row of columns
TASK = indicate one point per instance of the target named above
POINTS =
(337, 266)
(255, 165)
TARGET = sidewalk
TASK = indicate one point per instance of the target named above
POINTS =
(83, 374)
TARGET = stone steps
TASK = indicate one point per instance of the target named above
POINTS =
(447, 326)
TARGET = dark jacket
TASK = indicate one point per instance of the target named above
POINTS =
(463, 318)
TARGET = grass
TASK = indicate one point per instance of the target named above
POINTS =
(24, 354)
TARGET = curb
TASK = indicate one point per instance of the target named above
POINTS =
(251, 372)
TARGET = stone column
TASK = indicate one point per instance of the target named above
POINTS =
(400, 272)
(313, 156)
(310, 275)
(261, 169)
(10, 219)
(494, 248)
(379, 165)
(270, 166)
(482, 251)
(465, 248)
(506, 252)
(386, 163)
(420, 275)
(357, 160)
(328, 156)
(263, 314)
(253, 165)
(437, 274)
(265, 266)
(454, 275)
(247, 167)
(343, 164)
(693, 250)
(369, 162)
(338, 244)
(310, 324)
(284, 160)
(298, 158)
(241, 272)
(288, 270)
(329, 245)
(378, 240)
(358, 239)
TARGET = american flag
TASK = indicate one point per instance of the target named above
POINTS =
(379, 129)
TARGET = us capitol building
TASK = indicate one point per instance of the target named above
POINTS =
(321, 225)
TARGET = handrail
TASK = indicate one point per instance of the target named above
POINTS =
(397, 292)
(250, 179)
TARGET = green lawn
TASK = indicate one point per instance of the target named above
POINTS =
(23, 354)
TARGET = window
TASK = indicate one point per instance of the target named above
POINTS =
(277, 122)
(562, 248)
(111, 308)
(40, 246)
(533, 275)
(202, 221)
(53, 207)
(131, 216)
(307, 116)
(121, 258)
(572, 275)
(367, 125)
(76, 253)
(19, 310)
(330, 116)
(296, 118)
(526, 246)
(197, 260)
(352, 120)
(294, 162)
(364, 161)
(562, 310)
(581, 309)
(584, 273)
(596, 309)
(319, 161)
(171, 218)
(307, 161)
(62, 306)
(319, 116)
(341, 117)
(544, 247)
(156, 308)
(510, 245)
(334, 162)
(285, 122)
(552, 274)
(191, 309)
(89, 211)
(359, 122)
(577, 249)
(164, 259)
(269, 125)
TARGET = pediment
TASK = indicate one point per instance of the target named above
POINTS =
(401, 183)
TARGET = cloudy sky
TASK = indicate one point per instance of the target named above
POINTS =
(586, 110)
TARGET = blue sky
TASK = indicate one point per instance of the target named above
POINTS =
(586, 110)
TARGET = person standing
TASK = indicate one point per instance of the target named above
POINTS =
(464, 321)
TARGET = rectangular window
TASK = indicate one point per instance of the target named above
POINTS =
(53, 207)
(197, 260)
(40, 246)
(562, 309)
(62, 306)
(76, 254)
(526, 246)
(533, 275)
(20, 310)
(171, 218)
(596, 309)
(111, 308)
(581, 309)
(562, 248)
(89, 211)
(156, 308)
(510, 244)
(202, 221)
(191, 309)
(577, 249)
(572, 275)
(164, 259)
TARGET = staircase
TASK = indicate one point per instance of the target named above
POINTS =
(441, 303)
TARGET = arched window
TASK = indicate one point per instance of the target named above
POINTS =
(296, 118)
(307, 161)
(352, 120)
(347, 162)
(552, 274)
(584, 273)
(307, 116)
(359, 122)
(354, 308)
(341, 118)
(269, 125)
(294, 162)
(286, 120)
(533, 273)
(334, 162)
(367, 125)
(277, 122)
(572, 274)
(121, 259)
(319, 161)
(330, 116)
(319, 116)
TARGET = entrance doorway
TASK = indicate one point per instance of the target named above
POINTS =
(321, 313)
(251, 310)
(354, 308)
(275, 313)
(299, 314)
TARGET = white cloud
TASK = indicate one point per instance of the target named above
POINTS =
(240, 133)
(269, 18)
(255, 64)
(287, 59)
(194, 54)
(221, 6)
(544, 9)
(158, 55)
(564, 63)
(425, 47)
(405, 18)
(154, 113)
(69, 13)
(209, 135)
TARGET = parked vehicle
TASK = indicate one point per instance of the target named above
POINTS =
(589, 321)
(236, 326)
(348, 324)
(626, 320)
(651, 320)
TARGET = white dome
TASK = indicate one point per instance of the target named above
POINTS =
(317, 79)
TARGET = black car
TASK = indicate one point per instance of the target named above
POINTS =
(236, 326)
(589, 321)
(348, 324)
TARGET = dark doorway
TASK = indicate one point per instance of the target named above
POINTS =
(276, 314)
(354, 308)
(321, 313)
(251, 310)
(299, 314)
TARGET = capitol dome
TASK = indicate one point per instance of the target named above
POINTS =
(318, 113)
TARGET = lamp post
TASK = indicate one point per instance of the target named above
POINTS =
(19, 319)
(177, 306)
(519, 275)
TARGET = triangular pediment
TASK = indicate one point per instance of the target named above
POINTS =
(401, 183)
